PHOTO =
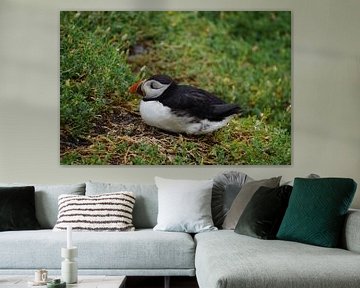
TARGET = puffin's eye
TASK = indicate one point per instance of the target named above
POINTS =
(155, 85)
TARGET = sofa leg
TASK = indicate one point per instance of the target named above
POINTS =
(167, 282)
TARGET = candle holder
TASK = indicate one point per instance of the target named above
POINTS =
(69, 271)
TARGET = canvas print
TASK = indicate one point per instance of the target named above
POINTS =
(175, 88)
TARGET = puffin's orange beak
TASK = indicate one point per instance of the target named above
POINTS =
(133, 88)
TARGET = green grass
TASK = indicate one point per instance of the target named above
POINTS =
(243, 57)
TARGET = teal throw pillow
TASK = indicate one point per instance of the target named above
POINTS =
(316, 211)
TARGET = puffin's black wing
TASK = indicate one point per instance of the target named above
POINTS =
(198, 103)
(225, 110)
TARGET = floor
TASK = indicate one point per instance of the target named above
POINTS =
(131, 282)
(158, 282)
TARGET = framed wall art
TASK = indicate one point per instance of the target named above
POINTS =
(175, 88)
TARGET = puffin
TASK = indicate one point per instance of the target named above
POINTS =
(181, 108)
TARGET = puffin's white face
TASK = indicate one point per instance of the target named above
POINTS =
(153, 89)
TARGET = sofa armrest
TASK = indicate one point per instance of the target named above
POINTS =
(351, 234)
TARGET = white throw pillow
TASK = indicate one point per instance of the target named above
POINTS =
(184, 205)
(104, 212)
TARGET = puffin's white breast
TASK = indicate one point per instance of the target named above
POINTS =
(156, 114)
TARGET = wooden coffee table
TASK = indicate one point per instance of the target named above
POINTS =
(83, 282)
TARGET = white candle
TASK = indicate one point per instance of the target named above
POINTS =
(69, 237)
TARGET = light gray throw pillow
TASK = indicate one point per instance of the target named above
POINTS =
(184, 205)
(243, 198)
(226, 187)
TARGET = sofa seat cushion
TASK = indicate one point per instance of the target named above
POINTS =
(226, 259)
(142, 249)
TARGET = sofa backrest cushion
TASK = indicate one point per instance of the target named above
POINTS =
(350, 234)
(146, 204)
(46, 200)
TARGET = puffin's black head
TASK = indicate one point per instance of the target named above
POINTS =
(153, 87)
(163, 79)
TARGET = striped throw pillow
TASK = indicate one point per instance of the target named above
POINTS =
(105, 212)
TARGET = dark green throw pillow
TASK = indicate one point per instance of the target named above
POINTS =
(263, 214)
(316, 211)
(17, 208)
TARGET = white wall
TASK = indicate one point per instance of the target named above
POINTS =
(326, 91)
